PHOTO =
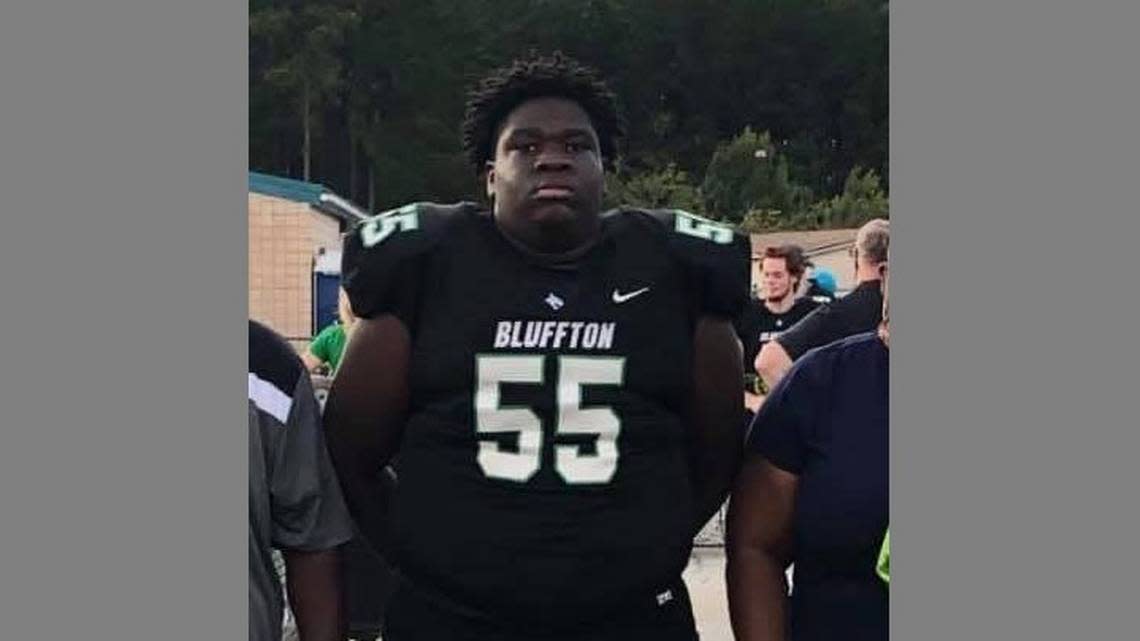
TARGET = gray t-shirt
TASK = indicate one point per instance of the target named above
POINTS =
(294, 499)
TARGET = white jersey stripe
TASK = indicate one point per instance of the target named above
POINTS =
(269, 399)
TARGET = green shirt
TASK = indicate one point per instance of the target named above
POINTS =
(329, 345)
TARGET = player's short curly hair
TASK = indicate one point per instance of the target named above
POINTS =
(558, 75)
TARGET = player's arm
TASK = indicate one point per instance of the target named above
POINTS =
(819, 327)
(716, 262)
(364, 417)
(716, 414)
(318, 352)
(309, 518)
(772, 363)
(752, 401)
(760, 515)
(312, 363)
(758, 550)
(367, 403)
(313, 583)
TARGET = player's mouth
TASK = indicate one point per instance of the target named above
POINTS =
(552, 191)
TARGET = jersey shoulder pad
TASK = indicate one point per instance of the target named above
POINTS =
(677, 225)
(701, 231)
(378, 265)
(718, 257)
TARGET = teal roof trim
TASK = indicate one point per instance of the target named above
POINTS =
(295, 190)
(317, 196)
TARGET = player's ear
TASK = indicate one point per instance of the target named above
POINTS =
(490, 179)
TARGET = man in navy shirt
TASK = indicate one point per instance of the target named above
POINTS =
(813, 492)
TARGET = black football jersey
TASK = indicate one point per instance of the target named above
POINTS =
(758, 325)
(543, 469)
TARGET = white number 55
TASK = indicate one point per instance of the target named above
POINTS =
(569, 461)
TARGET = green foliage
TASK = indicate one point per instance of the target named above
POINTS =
(301, 48)
(758, 221)
(747, 174)
(654, 189)
(862, 200)
(384, 83)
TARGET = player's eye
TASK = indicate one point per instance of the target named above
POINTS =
(578, 146)
(523, 146)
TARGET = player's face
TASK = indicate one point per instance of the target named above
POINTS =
(547, 171)
(777, 281)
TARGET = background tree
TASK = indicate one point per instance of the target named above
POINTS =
(665, 188)
(301, 46)
(748, 174)
(365, 96)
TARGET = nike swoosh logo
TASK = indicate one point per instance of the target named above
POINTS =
(621, 298)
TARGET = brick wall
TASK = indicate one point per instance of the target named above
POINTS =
(283, 236)
(326, 233)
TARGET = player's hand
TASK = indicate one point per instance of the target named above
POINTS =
(753, 401)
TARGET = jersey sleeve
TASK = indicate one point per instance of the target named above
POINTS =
(783, 429)
(382, 258)
(819, 327)
(717, 258)
(308, 509)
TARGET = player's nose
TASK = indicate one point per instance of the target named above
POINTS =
(553, 161)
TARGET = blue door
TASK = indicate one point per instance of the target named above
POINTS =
(325, 288)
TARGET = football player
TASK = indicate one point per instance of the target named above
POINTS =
(557, 388)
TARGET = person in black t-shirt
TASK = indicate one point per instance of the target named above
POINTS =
(781, 269)
(855, 313)
(813, 494)
(559, 386)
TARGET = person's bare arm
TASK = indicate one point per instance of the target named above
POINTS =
(364, 418)
(753, 401)
(311, 361)
(772, 363)
(313, 584)
(758, 549)
(716, 415)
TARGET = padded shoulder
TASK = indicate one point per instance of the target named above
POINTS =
(717, 257)
(378, 265)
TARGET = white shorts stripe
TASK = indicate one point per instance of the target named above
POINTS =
(269, 399)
